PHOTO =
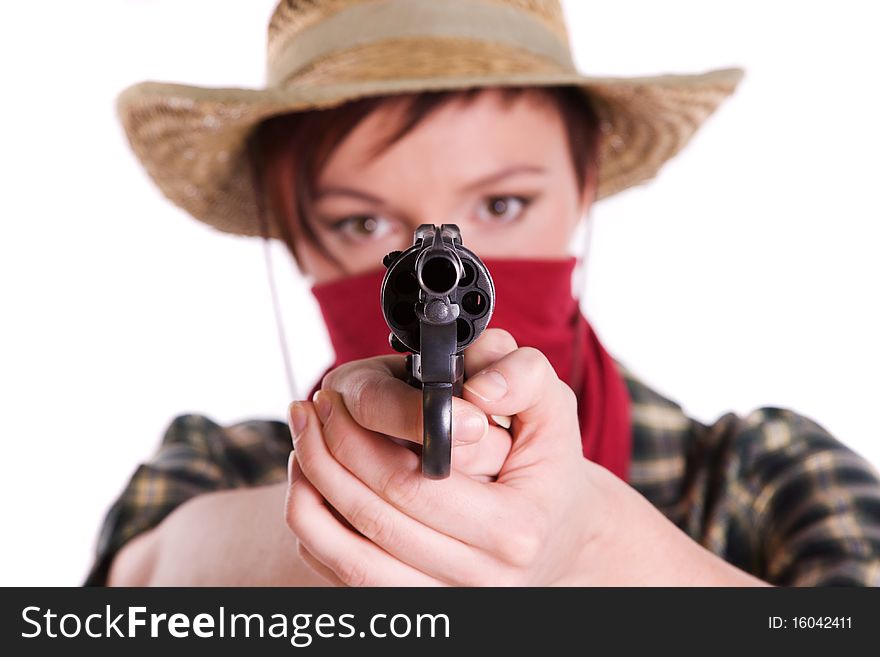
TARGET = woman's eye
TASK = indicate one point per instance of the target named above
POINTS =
(363, 227)
(503, 208)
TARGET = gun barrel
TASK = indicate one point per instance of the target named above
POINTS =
(438, 268)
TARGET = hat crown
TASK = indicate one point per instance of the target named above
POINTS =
(301, 32)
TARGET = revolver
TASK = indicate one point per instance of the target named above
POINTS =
(437, 298)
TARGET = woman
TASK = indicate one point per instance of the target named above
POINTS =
(383, 116)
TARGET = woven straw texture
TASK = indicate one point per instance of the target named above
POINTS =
(191, 140)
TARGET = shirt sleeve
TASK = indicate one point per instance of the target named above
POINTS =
(817, 503)
(778, 496)
(196, 456)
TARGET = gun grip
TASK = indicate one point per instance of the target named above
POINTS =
(437, 432)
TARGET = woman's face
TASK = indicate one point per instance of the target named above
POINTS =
(503, 174)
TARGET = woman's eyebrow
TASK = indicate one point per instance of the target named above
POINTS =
(347, 191)
(500, 175)
(481, 182)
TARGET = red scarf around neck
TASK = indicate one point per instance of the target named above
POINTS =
(534, 302)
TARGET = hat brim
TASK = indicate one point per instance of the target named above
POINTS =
(191, 140)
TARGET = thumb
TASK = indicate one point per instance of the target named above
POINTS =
(524, 384)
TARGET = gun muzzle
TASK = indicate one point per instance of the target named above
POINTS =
(438, 268)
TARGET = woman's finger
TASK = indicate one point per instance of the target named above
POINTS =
(322, 570)
(493, 344)
(294, 472)
(524, 384)
(353, 559)
(437, 555)
(380, 401)
(484, 459)
(477, 514)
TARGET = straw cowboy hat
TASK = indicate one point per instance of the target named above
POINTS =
(192, 140)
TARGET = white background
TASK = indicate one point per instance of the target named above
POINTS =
(745, 275)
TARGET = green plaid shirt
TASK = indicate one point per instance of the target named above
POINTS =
(772, 492)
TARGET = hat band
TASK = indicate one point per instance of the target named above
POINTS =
(372, 22)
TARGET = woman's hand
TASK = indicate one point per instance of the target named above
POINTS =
(551, 517)
(412, 530)
(377, 398)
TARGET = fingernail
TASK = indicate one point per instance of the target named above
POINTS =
(488, 386)
(469, 427)
(323, 405)
(298, 419)
(502, 420)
